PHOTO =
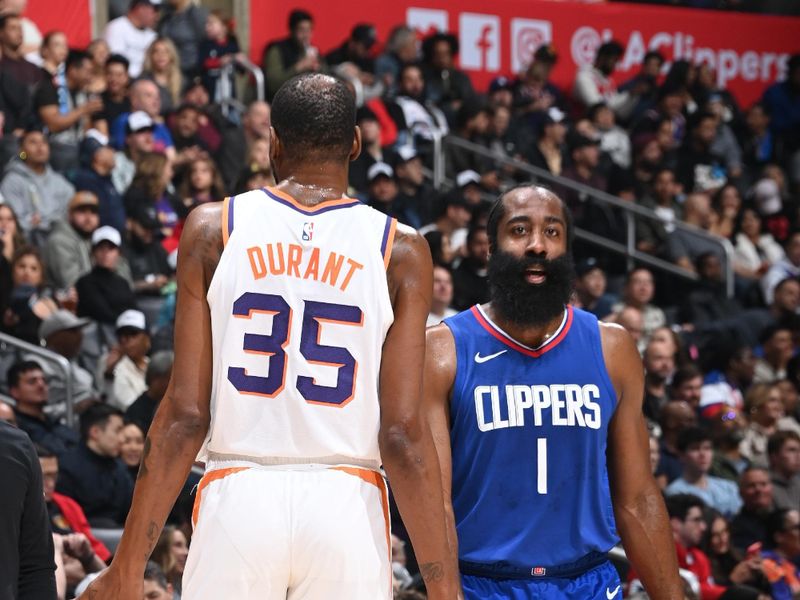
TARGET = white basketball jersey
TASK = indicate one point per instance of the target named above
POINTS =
(299, 312)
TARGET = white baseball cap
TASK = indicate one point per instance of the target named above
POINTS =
(139, 121)
(106, 233)
(378, 169)
(467, 177)
(131, 318)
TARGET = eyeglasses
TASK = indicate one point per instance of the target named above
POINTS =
(730, 415)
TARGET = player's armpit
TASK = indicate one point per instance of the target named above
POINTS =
(638, 506)
(181, 422)
(406, 442)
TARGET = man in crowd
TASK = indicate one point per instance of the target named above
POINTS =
(144, 407)
(685, 247)
(453, 219)
(97, 164)
(700, 169)
(786, 267)
(652, 234)
(67, 254)
(115, 97)
(125, 365)
(416, 196)
(92, 474)
(659, 364)
(749, 525)
(686, 385)
(447, 86)
(442, 296)
(675, 417)
(132, 34)
(783, 450)
(13, 61)
(256, 122)
(150, 269)
(593, 83)
(590, 288)
(145, 97)
(138, 141)
(411, 112)
(283, 59)
(156, 586)
(778, 348)
(28, 387)
(471, 277)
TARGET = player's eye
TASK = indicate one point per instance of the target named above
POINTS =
(551, 231)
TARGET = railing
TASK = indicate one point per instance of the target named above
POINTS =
(631, 211)
(226, 84)
(50, 356)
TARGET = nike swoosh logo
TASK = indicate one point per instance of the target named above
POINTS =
(482, 359)
(610, 594)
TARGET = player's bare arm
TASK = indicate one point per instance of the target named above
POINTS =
(437, 384)
(405, 439)
(182, 419)
(638, 506)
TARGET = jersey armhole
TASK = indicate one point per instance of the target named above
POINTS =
(388, 240)
(227, 219)
(601, 362)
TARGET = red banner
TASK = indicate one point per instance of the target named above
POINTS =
(73, 17)
(747, 51)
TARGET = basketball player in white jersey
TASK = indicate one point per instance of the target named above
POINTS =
(296, 306)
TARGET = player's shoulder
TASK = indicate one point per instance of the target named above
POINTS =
(440, 355)
(205, 221)
(619, 350)
(409, 245)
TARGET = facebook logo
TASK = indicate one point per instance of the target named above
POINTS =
(479, 40)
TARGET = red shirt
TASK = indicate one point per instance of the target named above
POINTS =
(76, 520)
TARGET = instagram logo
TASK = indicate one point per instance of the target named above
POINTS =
(527, 35)
(584, 45)
(479, 39)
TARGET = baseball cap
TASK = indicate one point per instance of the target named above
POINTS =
(464, 178)
(554, 115)
(154, 3)
(145, 216)
(131, 319)
(106, 233)
(545, 53)
(768, 196)
(60, 320)
(91, 143)
(499, 83)
(379, 169)
(364, 33)
(406, 153)
(586, 265)
(83, 198)
(578, 140)
(139, 121)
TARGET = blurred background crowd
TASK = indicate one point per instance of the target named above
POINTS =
(106, 149)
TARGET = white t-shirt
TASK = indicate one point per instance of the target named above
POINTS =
(126, 39)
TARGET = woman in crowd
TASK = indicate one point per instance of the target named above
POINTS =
(258, 154)
(727, 204)
(30, 302)
(764, 407)
(170, 554)
(755, 250)
(203, 184)
(219, 48)
(54, 52)
(99, 52)
(132, 447)
(11, 240)
(728, 565)
(161, 64)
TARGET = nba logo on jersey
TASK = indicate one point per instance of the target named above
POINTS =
(308, 231)
(538, 571)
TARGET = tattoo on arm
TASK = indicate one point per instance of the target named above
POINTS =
(431, 571)
(145, 454)
(152, 537)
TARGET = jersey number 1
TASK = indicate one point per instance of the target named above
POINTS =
(274, 344)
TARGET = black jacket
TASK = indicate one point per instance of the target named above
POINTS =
(103, 295)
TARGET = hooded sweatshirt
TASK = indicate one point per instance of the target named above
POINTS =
(28, 193)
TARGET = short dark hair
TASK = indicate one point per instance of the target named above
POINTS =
(153, 572)
(43, 452)
(611, 48)
(297, 16)
(650, 54)
(684, 374)
(315, 114)
(118, 59)
(16, 371)
(473, 231)
(679, 505)
(97, 414)
(778, 439)
(6, 18)
(498, 211)
(775, 523)
(691, 436)
(769, 332)
(75, 58)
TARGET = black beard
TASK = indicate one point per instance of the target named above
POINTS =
(522, 303)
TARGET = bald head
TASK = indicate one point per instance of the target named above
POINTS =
(145, 96)
(256, 119)
(697, 210)
(677, 415)
(632, 320)
(314, 118)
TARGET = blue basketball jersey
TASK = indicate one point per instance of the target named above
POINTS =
(528, 433)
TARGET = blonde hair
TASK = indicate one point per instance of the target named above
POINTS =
(149, 174)
(174, 76)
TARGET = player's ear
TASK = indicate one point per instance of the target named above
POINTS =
(356, 149)
(274, 145)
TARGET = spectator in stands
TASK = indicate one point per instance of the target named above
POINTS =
(786, 300)
(98, 160)
(189, 144)
(7, 414)
(630, 319)
(256, 122)
(162, 66)
(138, 142)
(783, 551)
(590, 288)
(708, 302)
(639, 292)
(149, 188)
(145, 97)
(452, 222)
(146, 256)
(156, 586)
(202, 184)
(62, 333)
(749, 525)
(103, 294)
(115, 97)
(66, 515)
(686, 385)
(442, 296)
(614, 140)
(726, 203)
(700, 169)
(472, 125)
(787, 267)
(724, 143)
(534, 94)
(413, 115)
(371, 150)
(416, 196)
(69, 112)
(13, 58)
(759, 144)
(756, 251)
(38, 195)
(170, 554)
(92, 474)
(401, 49)
(593, 83)
(696, 453)
(219, 49)
(30, 301)
(778, 350)
(728, 565)
(132, 34)
(446, 86)
(675, 417)
(781, 101)
(183, 22)
(471, 278)
(726, 385)
(783, 452)
(550, 152)
(685, 247)
(727, 426)
(283, 59)
(688, 526)
(99, 53)
(68, 250)
(132, 448)
(54, 52)
(11, 240)
(157, 377)
(125, 366)
(27, 386)
(764, 407)
(645, 82)
(659, 365)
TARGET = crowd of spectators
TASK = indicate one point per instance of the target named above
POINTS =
(107, 149)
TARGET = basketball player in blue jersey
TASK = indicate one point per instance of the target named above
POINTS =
(537, 416)
(325, 342)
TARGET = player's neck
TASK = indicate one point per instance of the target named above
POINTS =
(532, 336)
(314, 184)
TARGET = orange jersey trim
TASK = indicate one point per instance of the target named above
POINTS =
(208, 478)
(325, 204)
(225, 221)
